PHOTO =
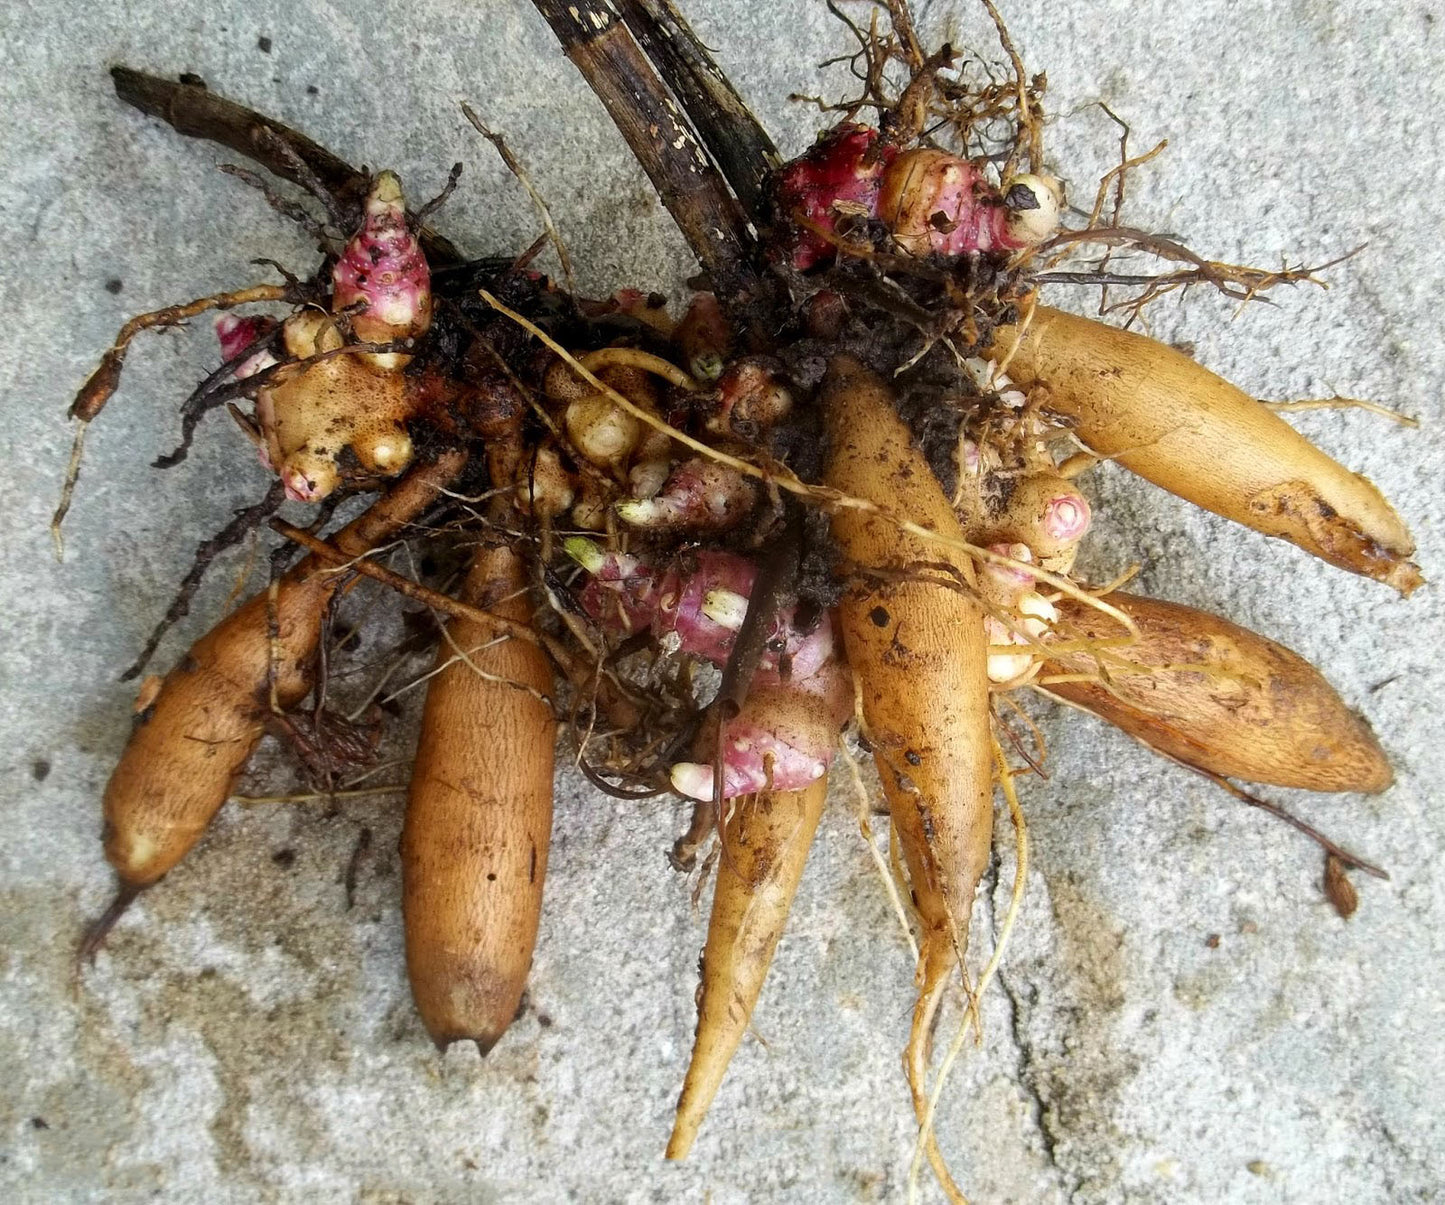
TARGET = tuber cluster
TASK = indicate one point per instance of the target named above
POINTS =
(834, 500)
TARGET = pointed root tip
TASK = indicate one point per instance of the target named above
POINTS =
(97, 933)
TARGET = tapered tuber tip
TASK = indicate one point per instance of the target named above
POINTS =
(97, 933)
(684, 1134)
(1406, 577)
(484, 1042)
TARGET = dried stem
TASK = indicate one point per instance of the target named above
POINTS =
(243, 523)
(189, 108)
(710, 218)
(727, 128)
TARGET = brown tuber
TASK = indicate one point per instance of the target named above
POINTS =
(1251, 709)
(479, 816)
(765, 840)
(915, 639)
(1175, 423)
(193, 739)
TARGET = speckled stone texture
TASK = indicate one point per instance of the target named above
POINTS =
(1180, 1018)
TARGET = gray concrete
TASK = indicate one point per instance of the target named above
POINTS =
(246, 1038)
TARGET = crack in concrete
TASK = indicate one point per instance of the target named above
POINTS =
(1027, 1079)
(1025, 1070)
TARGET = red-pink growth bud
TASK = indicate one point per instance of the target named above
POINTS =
(698, 611)
(688, 612)
(1004, 584)
(698, 496)
(750, 398)
(300, 487)
(782, 740)
(621, 592)
(383, 272)
(799, 697)
(934, 201)
(704, 337)
(236, 334)
(1046, 512)
(840, 174)
(1066, 516)
(648, 308)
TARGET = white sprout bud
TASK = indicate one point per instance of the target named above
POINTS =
(693, 780)
(1033, 203)
(1038, 614)
(601, 432)
(726, 608)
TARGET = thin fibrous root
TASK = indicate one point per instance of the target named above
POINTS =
(103, 381)
(544, 211)
(972, 1017)
(1342, 403)
(96, 391)
(97, 933)
(1350, 861)
(405, 586)
(245, 521)
(251, 801)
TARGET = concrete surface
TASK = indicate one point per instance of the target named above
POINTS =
(247, 1038)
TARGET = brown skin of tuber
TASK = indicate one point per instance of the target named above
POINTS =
(1273, 720)
(918, 650)
(767, 838)
(211, 711)
(1025, 520)
(314, 412)
(1175, 423)
(479, 818)
(195, 739)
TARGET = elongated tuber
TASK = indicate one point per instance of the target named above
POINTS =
(1218, 696)
(194, 738)
(766, 839)
(915, 640)
(1178, 425)
(479, 817)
